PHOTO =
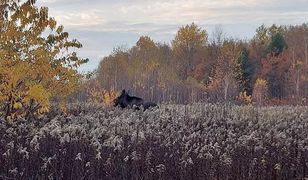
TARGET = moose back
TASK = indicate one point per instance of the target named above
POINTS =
(125, 100)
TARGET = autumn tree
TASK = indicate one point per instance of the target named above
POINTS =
(146, 46)
(188, 40)
(145, 63)
(276, 70)
(260, 91)
(113, 69)
(37, 62)
(223, 82)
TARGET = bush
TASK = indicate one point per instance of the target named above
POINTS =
(199, 141)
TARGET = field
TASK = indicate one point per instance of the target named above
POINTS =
(198, 141)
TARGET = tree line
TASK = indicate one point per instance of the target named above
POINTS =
(269, 69)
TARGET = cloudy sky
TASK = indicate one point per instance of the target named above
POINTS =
(102, 25)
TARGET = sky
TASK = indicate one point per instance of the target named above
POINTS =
(102, 25)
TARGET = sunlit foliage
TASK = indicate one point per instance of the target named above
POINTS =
(37, 60)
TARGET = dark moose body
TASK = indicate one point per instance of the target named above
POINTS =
(125, 100)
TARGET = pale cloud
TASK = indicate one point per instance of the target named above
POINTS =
(102, 15)
(48, 1)
(124, 15)
(78, 19)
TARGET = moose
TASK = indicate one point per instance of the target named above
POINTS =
(125, 100)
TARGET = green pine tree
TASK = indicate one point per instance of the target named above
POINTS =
(243, 71)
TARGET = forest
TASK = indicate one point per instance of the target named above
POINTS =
(227, 108)
(269, 69)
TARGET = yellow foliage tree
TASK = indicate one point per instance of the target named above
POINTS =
(260, 91)
(37, 62)
(187, 41)
(100, 96)
(244, 98)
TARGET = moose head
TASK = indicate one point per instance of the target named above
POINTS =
(121, 100)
